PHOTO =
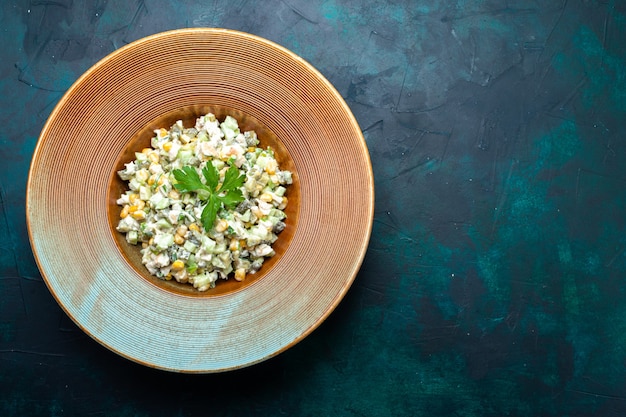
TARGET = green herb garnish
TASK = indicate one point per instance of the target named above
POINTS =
(227, 194)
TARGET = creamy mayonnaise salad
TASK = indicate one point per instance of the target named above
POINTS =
(205, 202)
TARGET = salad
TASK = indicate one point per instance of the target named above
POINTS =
(204, 202)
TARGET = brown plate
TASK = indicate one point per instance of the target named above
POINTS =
(110, 112)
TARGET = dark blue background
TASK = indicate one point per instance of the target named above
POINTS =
(494, 283)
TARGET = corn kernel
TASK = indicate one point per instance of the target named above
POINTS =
(144, 244)
(142, 175)
(153, 157)
(257, 212)
(234, 245)
(251, 149)
(240, 274)
(146, 150)
(151, 241)
(179, 240)
(124, 212)
(283, 204)
(161, 180)
(140, 204)
(182, 230)
(167, 146)
(173, 194)
(266, 197)
(194, 227)
(132, 209)
(271, 166)
(139, 215)
(177, 265)
(221, 226)
(168, 277)
(132, 197)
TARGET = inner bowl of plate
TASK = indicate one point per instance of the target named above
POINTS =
(188, 115)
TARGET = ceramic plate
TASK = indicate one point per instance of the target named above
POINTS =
(111, 111)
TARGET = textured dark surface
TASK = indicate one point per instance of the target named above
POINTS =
(494, 281)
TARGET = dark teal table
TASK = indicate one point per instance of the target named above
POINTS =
(495, 280)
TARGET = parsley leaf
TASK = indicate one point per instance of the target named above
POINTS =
(227, 194)
(231, 198)
(232, 179)
(209, 213)
(188, 179)
(211, 175)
